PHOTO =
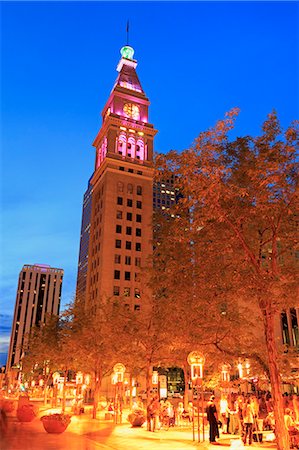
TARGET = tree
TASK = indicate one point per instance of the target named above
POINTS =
(245, 192)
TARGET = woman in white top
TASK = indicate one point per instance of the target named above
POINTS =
(248, 418)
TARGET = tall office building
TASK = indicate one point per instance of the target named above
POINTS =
(84, 244)
(120, 238)
(38, 294)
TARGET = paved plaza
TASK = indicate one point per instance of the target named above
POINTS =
(86, 434)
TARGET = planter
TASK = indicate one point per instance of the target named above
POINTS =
(137, 418)
(26, 413)
(56, 423)
(7, 405)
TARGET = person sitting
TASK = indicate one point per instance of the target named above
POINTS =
(291, 426)
(269, 421)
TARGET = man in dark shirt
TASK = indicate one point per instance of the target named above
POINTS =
(212, 417)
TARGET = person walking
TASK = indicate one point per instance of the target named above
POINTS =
(248, 419)
(212, 417)
(153, 413)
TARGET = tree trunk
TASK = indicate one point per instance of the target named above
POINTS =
(131, 387)
(148, 383)
(63, 391)
(97, 390)
(282, 435)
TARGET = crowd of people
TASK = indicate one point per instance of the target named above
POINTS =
(250, 415)
(245, 415)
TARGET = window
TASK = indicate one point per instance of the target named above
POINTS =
(116, 290)
(128, 260)
(294, 330)
(138, 218)
(129, 216)
(129, 202)
(120, 186)
(137, 262)
(118, 228)
(127, 275)
(131, 170)
(119, 200)
(139, 172)
(137, 276)
(285, 328)
(127, 292)
(138, 247)
(129, 230)
(136, 307)
(117, 259)
(139, 204)
(128, 245)
(117, 274)
(139, 190)
(137, 293)
(121, 168)
(119, 214)
(138, 231)
(130, 188)
(118, 243)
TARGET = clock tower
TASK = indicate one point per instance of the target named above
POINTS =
(120, 241)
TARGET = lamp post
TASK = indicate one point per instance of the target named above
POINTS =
(225, 369)
(196, 361)
(155, 381)
(119, 370)
(244, 372)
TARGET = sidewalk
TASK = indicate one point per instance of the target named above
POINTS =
(85, 433)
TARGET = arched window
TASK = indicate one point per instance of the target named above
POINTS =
(130, 188)
(101, 152)
(104, 148)
(140, 149)
(131, 147)
(120, 186)
(122, 142)
(99, 157)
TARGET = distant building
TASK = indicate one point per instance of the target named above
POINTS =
(164, 194)
(38, 294)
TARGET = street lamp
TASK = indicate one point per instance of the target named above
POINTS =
(225, 369)
(119, 371)
(196, 361)
(244, 371)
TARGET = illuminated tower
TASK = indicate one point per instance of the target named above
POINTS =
(38, 294)
(120, 240)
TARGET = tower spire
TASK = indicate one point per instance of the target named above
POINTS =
(127, 32)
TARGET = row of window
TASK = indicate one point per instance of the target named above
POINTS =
(128, 259)
(126, 292)
(120, 201)
(128, 230)
(128, 245)
(127, 275)
(129, 216)
(139, 172)
(130, 188)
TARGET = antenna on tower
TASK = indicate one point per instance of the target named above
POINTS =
(127, 32)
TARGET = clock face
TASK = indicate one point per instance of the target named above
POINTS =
(131, 110)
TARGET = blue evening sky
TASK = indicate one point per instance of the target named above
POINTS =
(196, 60)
